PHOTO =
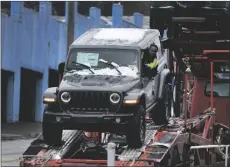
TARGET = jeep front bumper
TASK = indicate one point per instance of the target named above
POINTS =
(90, 121)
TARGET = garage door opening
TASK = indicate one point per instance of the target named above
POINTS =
(28, 94)
(6, 94)
(53, 78)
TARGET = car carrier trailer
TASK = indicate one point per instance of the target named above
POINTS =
(192, 52)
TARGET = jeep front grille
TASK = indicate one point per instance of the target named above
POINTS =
(90, 100)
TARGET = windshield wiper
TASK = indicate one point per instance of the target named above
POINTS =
(115, 66)
(84, 65)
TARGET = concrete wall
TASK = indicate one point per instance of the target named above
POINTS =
(37, 41)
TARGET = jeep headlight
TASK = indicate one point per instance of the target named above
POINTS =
(47, 100)
(115, 98)
(65, 97)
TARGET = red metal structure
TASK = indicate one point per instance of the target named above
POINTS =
(214, 59)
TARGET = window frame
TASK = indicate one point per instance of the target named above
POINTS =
(100, 48)
(215, 82)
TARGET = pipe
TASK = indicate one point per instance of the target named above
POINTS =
(221, 61)
(196, 58)
(211, 84)
(111, 154)
(185, 97)
(215, 146)
(216, 51)
(88, 161)
(226, 156)
(205, 58)
(208, 146)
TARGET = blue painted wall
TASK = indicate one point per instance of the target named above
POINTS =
(37, 41)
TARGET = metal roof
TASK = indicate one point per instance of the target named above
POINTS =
(117, 37)
(108, 20)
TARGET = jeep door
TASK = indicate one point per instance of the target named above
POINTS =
(149, 91)
(151, 85)
(148, 83)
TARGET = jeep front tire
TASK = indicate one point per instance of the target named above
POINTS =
(52, 132)
(135, 135)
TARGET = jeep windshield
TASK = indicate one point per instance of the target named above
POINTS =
(123, 62)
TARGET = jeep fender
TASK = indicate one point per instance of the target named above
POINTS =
(135, 94)
(163, 76)
(50, 93)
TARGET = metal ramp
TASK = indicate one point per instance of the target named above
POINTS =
(130, 154)
(159, 140)
(39, 153)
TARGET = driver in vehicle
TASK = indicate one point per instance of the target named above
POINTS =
(150, 63)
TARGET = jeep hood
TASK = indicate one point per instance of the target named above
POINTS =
(104, 79)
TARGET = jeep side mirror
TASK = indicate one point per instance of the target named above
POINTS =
(61, 67)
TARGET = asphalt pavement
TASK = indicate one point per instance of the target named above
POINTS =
(16, 137)
(13, 150)
(22, 130)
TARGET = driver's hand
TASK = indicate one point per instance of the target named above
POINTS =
(148, 65)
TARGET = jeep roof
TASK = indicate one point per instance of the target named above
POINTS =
(141, 38)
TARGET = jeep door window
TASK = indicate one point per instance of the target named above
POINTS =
(122, 57)
(220, 89)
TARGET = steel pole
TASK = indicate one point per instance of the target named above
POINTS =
(226, 156)
(111, 154)
(211, 85)
(185, 98)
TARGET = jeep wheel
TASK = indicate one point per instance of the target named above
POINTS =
(162, 112)
(135, 136)
(52, 133)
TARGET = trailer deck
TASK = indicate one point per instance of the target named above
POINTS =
(78, 149)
